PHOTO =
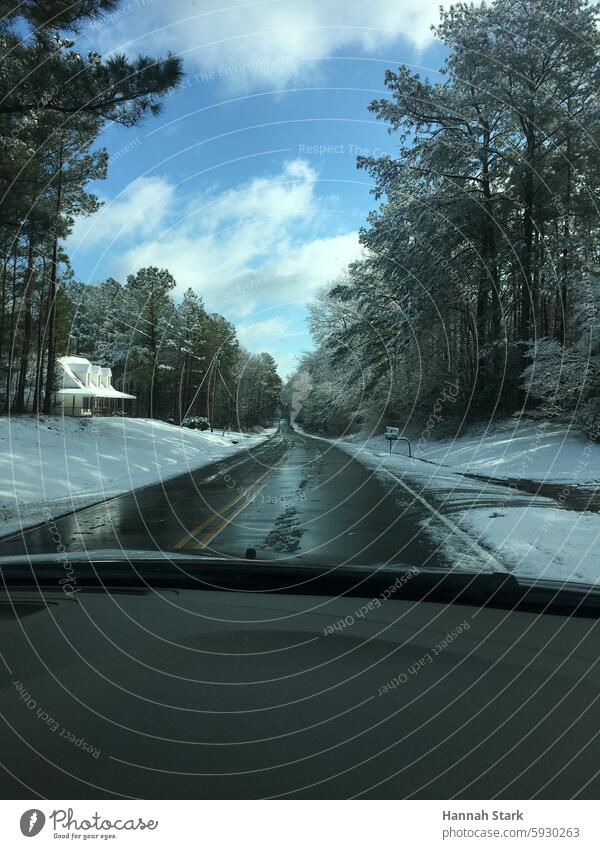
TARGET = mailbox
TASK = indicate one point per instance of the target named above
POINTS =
(392, 434)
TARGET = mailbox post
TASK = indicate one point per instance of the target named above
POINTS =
(392, 434)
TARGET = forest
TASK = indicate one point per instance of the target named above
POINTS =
(179, 360)
(480, 268)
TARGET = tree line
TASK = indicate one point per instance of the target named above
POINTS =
(179, 360)
(54, 102)
(480, 266)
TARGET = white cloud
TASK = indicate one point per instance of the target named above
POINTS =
(140, 210)
(241, 309)
(318, 261)
(287, 363)
(252, 332)
(269, 42)
(257, 243)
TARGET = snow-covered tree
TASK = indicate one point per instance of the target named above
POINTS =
(488, 217)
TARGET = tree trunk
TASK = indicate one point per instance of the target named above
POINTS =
(39, 358)
(3, 313)
(560, 332)
(527, 270)
(19, 403)
(11, 346)
(52, 297)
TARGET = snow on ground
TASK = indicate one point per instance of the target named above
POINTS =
(539, 451)
(512, 449)
(51, 465)
(547, 542)
(528, 534)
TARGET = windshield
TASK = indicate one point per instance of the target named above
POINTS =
(303, 304)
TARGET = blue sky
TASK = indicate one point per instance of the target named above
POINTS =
(246, 186)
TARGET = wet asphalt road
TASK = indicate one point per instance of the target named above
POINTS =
(292, 497)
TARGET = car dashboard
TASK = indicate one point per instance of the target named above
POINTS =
(220, 691)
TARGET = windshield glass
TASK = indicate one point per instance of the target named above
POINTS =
(300, 302)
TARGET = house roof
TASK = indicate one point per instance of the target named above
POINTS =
(94, 392)
(72, 360)
(73, 386)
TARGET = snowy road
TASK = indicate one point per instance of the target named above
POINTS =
(288, 498)
(292, 497)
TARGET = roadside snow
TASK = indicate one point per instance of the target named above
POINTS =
(542, 542)
(51, 465)
(528, 534)
(538, 451)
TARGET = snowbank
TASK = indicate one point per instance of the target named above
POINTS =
(546, 542)
(51, 465)
(529, 534)
(537, 451)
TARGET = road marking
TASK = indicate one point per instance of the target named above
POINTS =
(268, 444)
(251, 493)
(452, 526)
(203, 543)
(214, 517)
(190, 535)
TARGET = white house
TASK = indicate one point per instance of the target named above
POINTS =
(86, 389)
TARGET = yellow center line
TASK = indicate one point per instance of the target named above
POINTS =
(252, 491)
(215, 516)
(203, 543)
(191, 534)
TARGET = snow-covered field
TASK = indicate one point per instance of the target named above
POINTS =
(52, 465)
(532, 536)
